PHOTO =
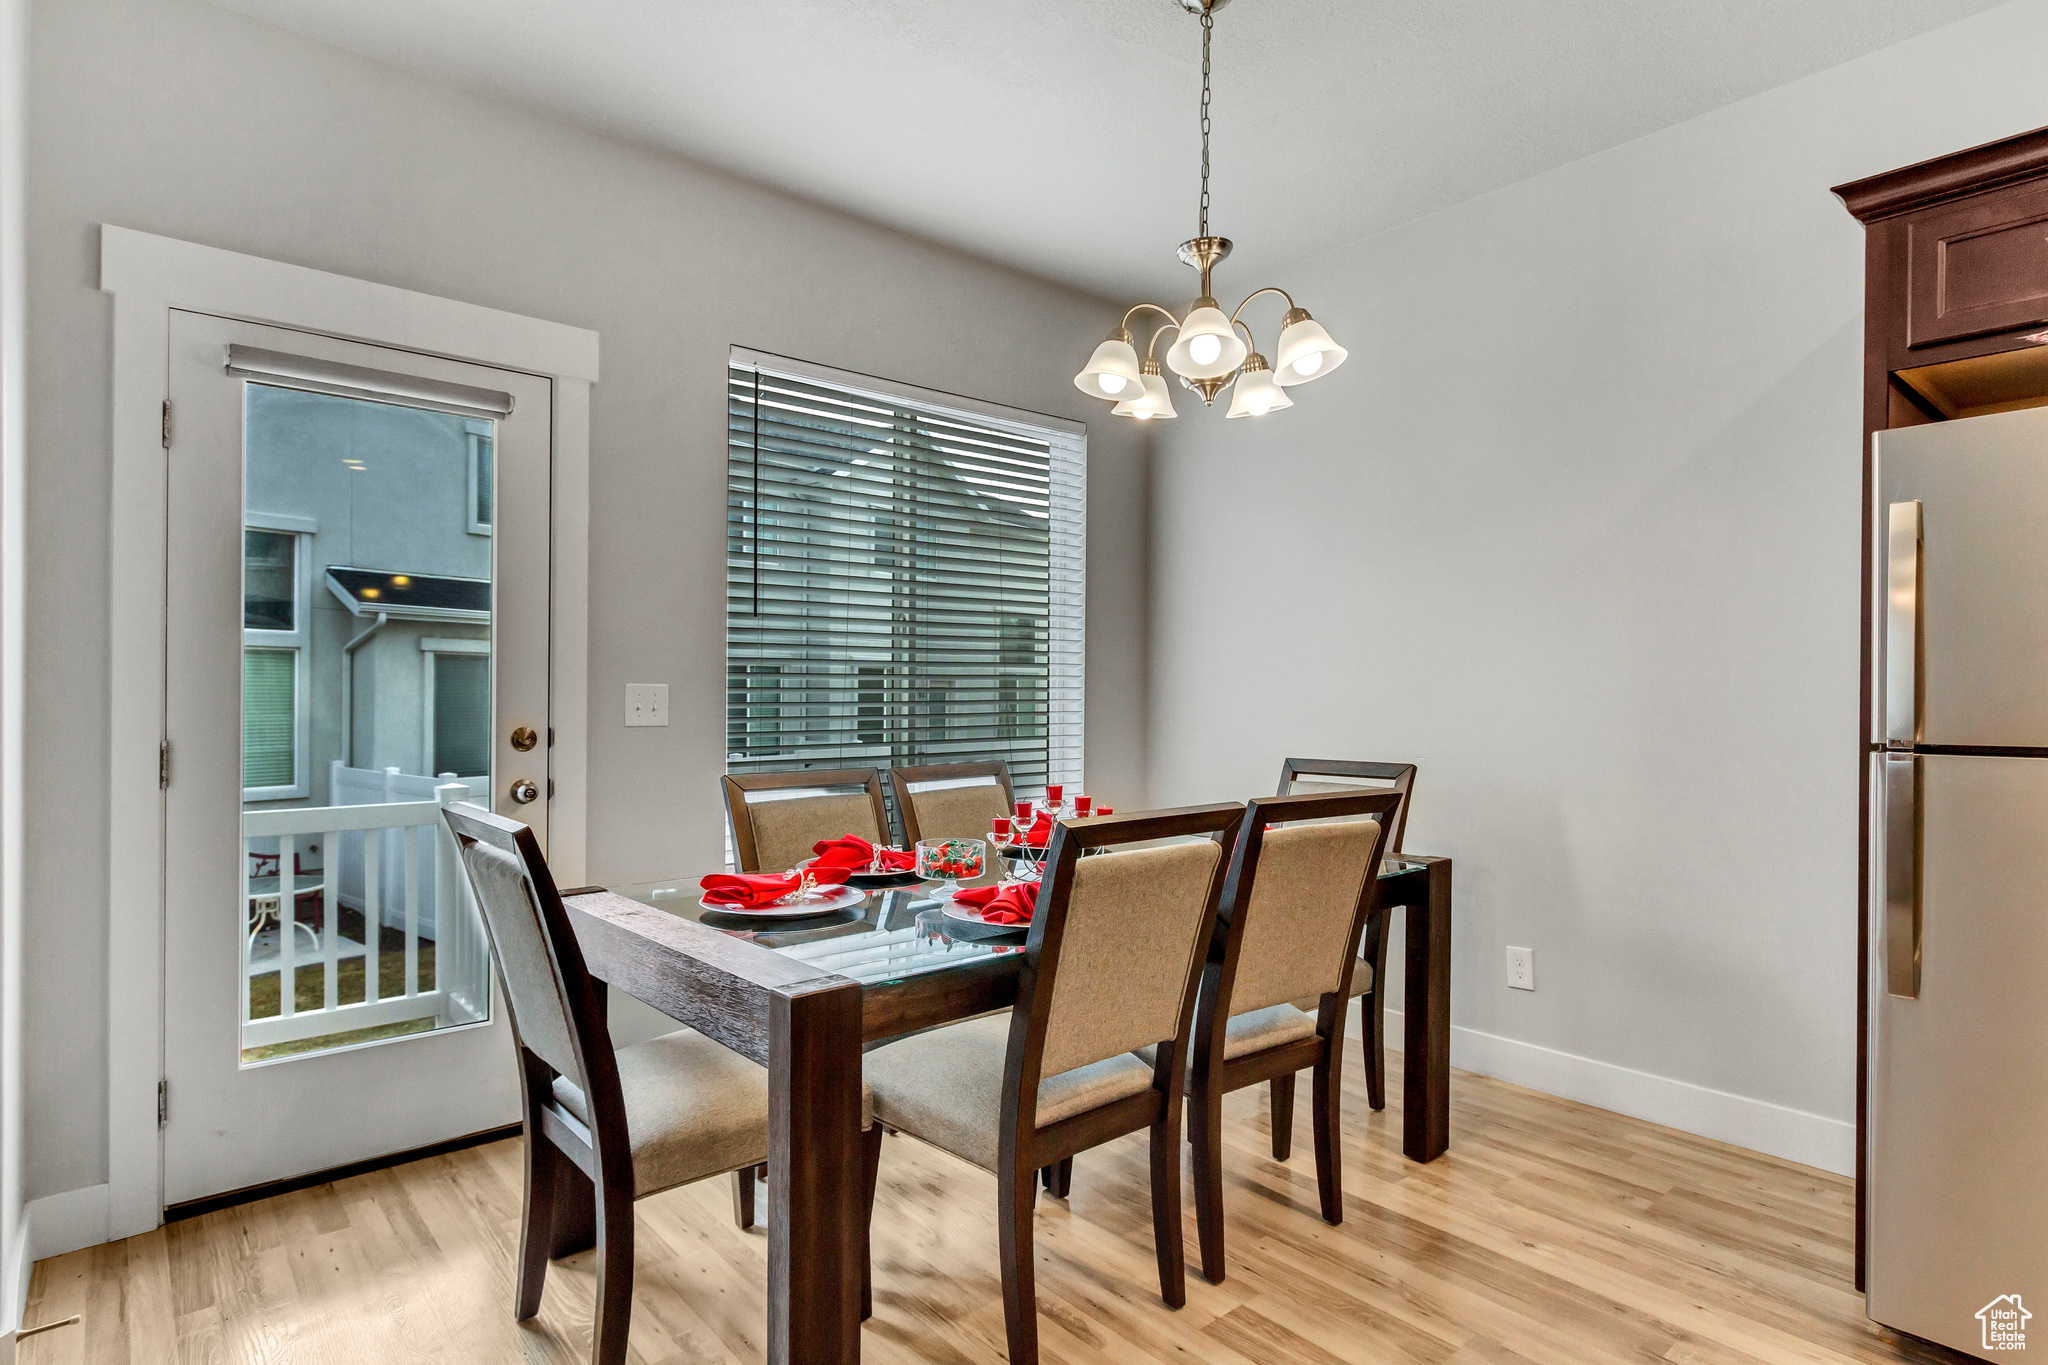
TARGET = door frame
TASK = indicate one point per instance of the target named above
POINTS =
(148, 276)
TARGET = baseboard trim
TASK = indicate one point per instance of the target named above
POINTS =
(61, 1223)
(1759, 1125)
(15, 1265)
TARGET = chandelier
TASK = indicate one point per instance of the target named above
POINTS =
(1207, 353)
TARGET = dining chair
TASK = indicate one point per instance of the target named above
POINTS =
(1301, 776)
(951, 800)
(1295, 904)
(1111, 964)
(778, 817)
(603, 1128)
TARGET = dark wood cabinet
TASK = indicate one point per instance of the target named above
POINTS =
(1977, 267)
(1955, 321)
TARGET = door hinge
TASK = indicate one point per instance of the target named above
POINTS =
(163, 766)
(167, 424)
(163, 1103)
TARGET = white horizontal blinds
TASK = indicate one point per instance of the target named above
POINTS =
(903, 583)
(269, 717)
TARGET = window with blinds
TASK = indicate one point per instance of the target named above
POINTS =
(462, 714)
(904, 579)
(270, 709)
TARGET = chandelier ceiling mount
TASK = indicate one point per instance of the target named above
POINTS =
(1207, 353)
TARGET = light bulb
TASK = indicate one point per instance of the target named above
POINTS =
(1309, 364)
(1110, 383)
(1204, 349)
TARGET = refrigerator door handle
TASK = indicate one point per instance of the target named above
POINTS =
(1902, 626)
(1902, 875)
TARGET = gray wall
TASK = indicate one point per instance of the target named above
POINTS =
(1576, 530)
(177, 118)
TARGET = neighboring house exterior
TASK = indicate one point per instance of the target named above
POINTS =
(366, 596)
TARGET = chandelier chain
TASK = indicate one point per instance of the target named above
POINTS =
(1208, 26)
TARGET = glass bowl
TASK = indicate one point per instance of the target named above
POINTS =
(950, 860)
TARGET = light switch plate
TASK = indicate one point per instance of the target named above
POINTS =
(1522, 969)
(646, 703)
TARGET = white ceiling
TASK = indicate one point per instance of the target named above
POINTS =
(1061, 135)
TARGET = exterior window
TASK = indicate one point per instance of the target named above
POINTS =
(460, 741)
(269, 590)
(275, 644)
(270, 711)
(903, 579)
(482, 490)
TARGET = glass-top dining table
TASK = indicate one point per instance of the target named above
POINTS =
(804, 995)
(894, 935)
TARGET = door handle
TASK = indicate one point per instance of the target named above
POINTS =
(524, 790)
(1902, 875)
(1902, 626)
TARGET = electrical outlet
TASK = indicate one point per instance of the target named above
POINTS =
(646, 703)
(1522, 969)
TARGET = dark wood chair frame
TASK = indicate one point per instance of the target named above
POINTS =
(1212, 1077)
(1025, 1149)
(738, 785)
(579, 1188)
(1372, 1007)
(901, 778)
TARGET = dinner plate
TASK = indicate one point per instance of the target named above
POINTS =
(971, 914)
(829, 899)
(873, 881)
(883, 881)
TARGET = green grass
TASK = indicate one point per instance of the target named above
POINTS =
(310, 991)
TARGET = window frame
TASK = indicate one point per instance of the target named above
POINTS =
(1066, 607)
(298, 640)
(432, 647)
(477, 432)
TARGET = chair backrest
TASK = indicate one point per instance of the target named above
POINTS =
(1118, 941)
(1296, 899)
(951, 800)
(1307, 777)
(777, 817)
(557, 1009)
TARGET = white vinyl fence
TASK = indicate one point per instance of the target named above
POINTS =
(392, 860)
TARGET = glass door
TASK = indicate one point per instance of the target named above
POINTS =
(357, 636)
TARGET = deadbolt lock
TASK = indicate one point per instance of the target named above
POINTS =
(524, 738)
(524, 790)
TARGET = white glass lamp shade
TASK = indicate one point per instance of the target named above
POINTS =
(1254, 394)
(1156, 402)
(1112, 372)
(1208, 347)
(1305, 352)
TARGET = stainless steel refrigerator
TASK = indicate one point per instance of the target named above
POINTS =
(1958, 1156)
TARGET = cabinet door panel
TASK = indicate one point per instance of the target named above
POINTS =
(1977, 267)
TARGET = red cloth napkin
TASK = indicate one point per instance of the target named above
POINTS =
(1040, 833)
(755, 890)
(855, 854)
(1012, 903)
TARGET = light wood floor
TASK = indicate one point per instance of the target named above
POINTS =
(1551, 1232)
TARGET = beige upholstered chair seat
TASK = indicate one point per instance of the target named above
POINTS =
(694, 1108)
(1257, 1031)
(946, 1087)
